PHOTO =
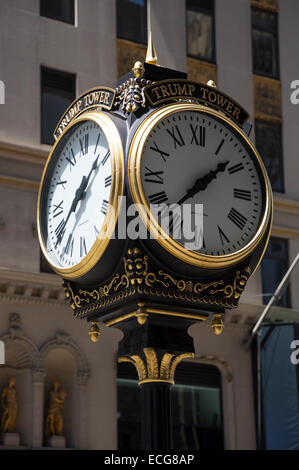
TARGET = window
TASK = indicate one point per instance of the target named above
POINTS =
(61, 10)
(268, 139)
(265, 43)
(58, 91)
(200, 29)
(132, 20)
(274, 266)
(195, 402)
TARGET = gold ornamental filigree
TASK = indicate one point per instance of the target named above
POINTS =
(138, 278)
(130, 94)
(148, 368)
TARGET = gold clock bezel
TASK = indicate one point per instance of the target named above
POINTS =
(139, 197)
(117, 187)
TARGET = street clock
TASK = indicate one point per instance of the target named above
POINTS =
(156, 141)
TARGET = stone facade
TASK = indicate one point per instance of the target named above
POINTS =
(43, 342)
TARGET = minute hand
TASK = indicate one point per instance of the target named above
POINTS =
(202, 183)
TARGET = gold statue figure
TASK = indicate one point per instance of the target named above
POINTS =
(10, 406)
(54, 421)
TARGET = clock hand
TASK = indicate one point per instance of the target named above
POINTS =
(80, 192)
(202, 183)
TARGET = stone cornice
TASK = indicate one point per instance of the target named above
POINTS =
(29, 287)
(26, 153)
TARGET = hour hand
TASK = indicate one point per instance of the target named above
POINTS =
(202, 183)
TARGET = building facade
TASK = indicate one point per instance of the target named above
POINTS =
(51, 52)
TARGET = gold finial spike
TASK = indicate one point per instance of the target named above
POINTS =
(151, 53)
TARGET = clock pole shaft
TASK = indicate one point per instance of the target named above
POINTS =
(156, 428)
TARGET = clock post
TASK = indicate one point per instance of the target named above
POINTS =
(156, 141)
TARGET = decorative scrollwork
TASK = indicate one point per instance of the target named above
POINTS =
(130, 95)
(138, 278)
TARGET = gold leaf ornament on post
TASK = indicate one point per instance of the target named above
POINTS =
(148, 367)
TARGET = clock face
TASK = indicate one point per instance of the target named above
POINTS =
(75, 194)
(193, 157)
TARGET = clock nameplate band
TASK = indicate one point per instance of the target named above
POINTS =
(168, 90)
(96, 97)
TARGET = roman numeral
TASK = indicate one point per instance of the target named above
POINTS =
(158, 198)
(58, 208)
(104, 207)
(69, 245)
(235, 168)
(177, 136)
(59, 231)
(222, 236)
(61, 182)
(199, 139)
(97, 143)
(242, 194)
(219, 147)
(71, 158)
(163, 154)
(83, 250)
(84, 144)
(108, 181)
(153, 176)
(238, 219)
(106, 157)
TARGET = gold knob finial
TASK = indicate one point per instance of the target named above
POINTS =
(211, 83)
(138, 70)
(94, 332)
(151, 54)
(217, 324)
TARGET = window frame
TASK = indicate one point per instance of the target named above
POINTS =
(281, 160)
(184, 376)
(146, 31)
(276, 35)
(287, 291)
(213, 14)
(74, 16)
(43, 69)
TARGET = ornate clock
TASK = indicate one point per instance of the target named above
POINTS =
(190, 154)
(79, 190)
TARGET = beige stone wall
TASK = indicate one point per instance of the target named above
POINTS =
(91, 50)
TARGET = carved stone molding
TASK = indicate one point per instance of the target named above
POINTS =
(24, 287)
(218, 362)
(64, 341)
(38, 375)
(151, 368)
(201, 71)
(82, 377)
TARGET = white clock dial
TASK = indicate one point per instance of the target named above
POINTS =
(78, 194)
(192, 157)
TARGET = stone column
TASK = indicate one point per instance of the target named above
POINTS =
(38, 377)
(82, 379)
